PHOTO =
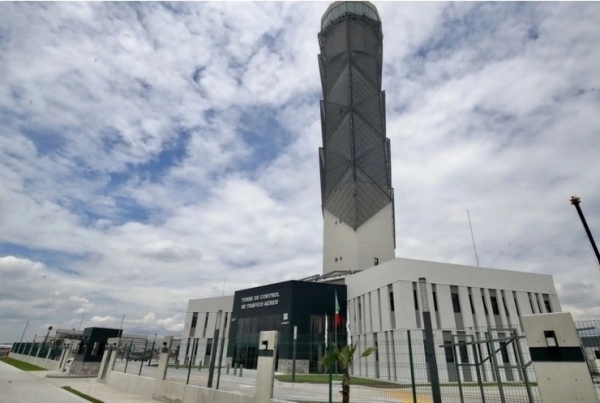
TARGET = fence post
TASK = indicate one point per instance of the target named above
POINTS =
(221, 360)
(143, 357)
(412, 368)
(294, 354)
(477, 369)
(190, 361)
(490, 343)
(522, 365)
(128, 354)
(455, 356)
(430, 343)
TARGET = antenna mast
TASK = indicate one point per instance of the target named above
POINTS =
(473, 238)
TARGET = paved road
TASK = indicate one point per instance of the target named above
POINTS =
(18, 386)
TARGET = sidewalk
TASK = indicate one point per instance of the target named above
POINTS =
(95, 389)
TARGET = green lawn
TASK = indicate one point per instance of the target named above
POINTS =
(324, 378)
(21, 365)
(78, 393)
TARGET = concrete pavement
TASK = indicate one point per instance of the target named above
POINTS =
(18, 386)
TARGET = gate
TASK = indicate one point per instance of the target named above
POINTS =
(496, 367)
(589, 336)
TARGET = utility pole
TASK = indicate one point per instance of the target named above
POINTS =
(575, 201)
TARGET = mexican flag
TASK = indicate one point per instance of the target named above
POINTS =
(337, 319)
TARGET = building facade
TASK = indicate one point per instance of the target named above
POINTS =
(382, 303)
(356, 185)
(464, 301)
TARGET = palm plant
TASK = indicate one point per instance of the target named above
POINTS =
(344, 358)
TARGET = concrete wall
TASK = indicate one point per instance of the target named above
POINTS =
(50, 365)
(174, 392)
(205, 308)
(357, 248)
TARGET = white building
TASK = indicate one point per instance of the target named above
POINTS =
(465, 302)
(200, 323)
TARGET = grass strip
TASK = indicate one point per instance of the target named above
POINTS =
(23, 366)
(83, 395)
(317, 378)
(374, 383)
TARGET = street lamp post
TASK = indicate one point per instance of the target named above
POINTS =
(575, 201)
(47, 334)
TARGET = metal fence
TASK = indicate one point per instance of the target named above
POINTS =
(589, 335)
(474, 365)
(49, 350)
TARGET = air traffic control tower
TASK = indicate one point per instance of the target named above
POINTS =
(356, 184)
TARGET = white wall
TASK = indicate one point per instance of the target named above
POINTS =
(202, 307)
(357, 248)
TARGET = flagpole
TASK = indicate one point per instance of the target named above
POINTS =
(330, 367)
(335, 324)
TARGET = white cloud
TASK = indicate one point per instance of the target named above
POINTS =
(130, 183)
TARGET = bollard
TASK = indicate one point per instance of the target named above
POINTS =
(235, 367)
(265, 369)
(199, 366)
(241, 369)
(227, 371)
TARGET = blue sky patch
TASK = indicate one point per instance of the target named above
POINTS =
(262, 132)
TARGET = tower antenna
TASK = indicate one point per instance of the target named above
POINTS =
(473, 238)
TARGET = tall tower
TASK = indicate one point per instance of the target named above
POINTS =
(356, 184)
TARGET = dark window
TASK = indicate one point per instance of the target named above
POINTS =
(448, 351)
(464, 356)
(504, 352)
(376, 261)
(597, 354)
(240, 325)
(455, 303)
(205, 325)
(505, 307)
(194, 320)
(340, 258)
(435, 301)
(416, 300)
(548, 307)
(471, 303)
(484, 305)
(336, 259)
(530, 302)
(208, 347)
(495, 309)
(392, 301)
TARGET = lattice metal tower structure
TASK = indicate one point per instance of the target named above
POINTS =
(356, 184)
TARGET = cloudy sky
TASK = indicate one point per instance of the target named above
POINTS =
(151, 153)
